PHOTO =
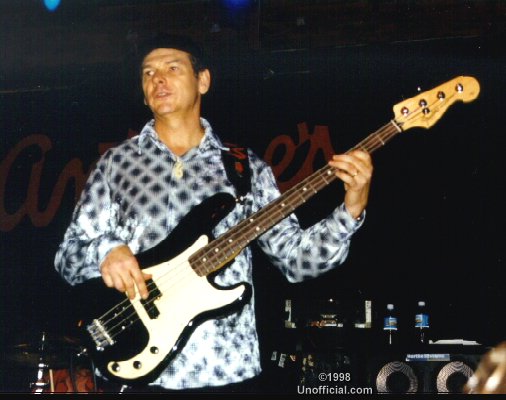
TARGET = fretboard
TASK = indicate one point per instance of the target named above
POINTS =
(220, 251)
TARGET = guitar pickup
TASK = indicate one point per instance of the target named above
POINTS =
(149, 303)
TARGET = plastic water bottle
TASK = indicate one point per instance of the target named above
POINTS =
(422, 323)
(390, 325)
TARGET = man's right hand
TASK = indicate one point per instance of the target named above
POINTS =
(121, 270)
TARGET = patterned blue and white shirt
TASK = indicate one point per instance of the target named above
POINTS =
(138, 193)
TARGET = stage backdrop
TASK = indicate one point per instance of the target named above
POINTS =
(435, 224)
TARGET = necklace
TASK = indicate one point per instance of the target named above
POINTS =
(178, 169)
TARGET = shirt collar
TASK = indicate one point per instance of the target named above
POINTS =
(209, 141)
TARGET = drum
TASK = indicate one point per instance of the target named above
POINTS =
(52, 364)
(79, 380)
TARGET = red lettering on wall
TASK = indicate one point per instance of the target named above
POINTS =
(319, 139)
(30, 207)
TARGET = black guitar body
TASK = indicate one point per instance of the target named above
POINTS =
(124, 322)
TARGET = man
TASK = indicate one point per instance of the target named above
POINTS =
(141, 190)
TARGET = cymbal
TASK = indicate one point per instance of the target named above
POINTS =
(55, 352)
(52, 343)
(31, 359)
(49, 342)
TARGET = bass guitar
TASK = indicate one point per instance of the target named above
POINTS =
(131, 341)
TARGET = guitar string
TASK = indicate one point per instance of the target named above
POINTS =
(390, 132)
(175, 280)
(371, 143)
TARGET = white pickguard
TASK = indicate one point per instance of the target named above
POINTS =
(184, 296)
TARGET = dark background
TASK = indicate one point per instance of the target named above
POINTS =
(434, 226)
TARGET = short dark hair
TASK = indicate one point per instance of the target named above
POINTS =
(179, 42)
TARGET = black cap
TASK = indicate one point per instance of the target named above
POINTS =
(171, 41)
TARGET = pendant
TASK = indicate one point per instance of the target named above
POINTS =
(178, 169)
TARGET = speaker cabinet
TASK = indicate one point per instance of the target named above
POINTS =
(394, 374)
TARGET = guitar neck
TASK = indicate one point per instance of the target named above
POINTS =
(223, 249)
(423, 110)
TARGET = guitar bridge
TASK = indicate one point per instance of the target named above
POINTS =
(99, 335)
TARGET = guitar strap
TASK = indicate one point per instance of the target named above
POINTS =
(236, 163)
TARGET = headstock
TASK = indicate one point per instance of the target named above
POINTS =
(428, 107)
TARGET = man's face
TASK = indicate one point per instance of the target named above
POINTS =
(169, 82)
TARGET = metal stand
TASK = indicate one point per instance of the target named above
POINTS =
(41, 384)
